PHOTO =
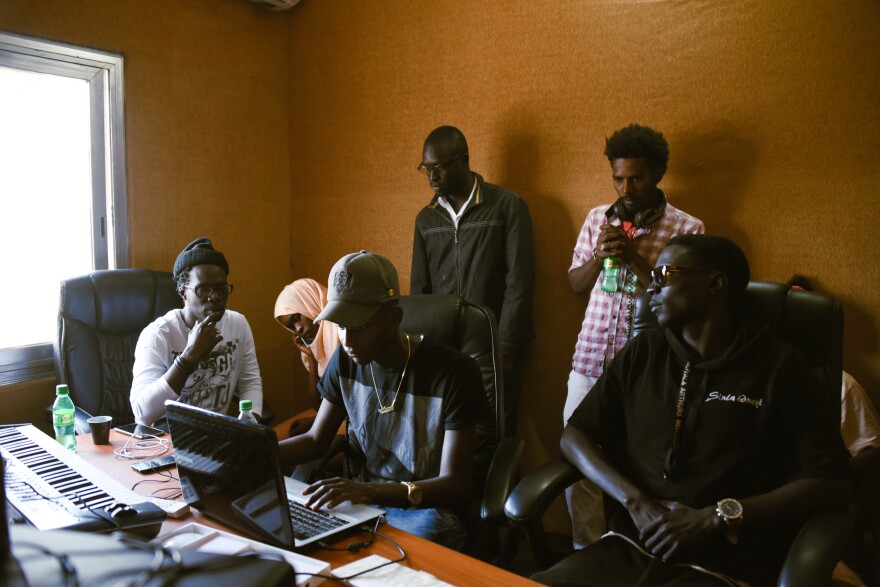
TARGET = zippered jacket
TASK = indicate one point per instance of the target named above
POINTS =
(488, 260)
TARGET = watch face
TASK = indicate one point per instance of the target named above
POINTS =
(415, 497)
(730, 508)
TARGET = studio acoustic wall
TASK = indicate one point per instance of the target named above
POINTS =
(292, 138)
(770, 109)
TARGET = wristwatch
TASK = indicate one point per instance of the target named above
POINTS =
(413, 493)
(731, 512)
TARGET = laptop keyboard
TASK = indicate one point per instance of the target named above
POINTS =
(308, 522)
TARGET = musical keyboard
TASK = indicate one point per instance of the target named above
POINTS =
(52, 488)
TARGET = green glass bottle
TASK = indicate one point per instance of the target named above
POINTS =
(610, 273)
(62, 418)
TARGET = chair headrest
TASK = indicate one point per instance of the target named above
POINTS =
(118, 301)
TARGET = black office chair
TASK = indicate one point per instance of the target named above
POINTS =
(813, 323)
(100, 317)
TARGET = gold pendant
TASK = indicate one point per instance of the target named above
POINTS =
(386, 409)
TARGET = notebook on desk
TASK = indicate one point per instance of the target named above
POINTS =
(230, 471)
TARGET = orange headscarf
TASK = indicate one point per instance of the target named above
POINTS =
(308, 297)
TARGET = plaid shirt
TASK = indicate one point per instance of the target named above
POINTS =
(609, 315)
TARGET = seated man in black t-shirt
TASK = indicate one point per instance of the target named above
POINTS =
(412, 406)
(712, 438)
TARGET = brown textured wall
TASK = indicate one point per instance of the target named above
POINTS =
(293, 138)
(206, 88)
(770, 109)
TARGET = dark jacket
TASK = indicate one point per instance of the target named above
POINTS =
(489, 260)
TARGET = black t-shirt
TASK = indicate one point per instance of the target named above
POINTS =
(754, 420)
(442, 390)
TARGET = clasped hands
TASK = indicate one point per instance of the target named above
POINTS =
(669, 528)
(613, 242)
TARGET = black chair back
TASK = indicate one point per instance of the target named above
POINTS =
(100, 318)
(472, 330)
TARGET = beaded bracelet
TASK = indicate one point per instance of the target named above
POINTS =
(181, 364)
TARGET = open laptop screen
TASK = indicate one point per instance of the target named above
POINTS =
(230, 471)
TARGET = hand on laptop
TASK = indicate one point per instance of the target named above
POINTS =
(332, 492)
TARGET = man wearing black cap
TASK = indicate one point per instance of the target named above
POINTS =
(201, 355)
(412, 406)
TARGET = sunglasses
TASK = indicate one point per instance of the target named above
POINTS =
(660, 275)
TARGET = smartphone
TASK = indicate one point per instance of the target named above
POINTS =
(153, 465)
(140, 430)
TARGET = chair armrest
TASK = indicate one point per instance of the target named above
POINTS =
(816, 549)
(503, 473)
(532, 496)
(529, 500)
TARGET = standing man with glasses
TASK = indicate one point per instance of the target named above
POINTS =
(713, 440)
(202, 355)
(474, 239)
(634, 229)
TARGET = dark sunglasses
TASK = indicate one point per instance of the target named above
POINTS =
(660, 275)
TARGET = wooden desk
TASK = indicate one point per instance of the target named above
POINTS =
(447, 565)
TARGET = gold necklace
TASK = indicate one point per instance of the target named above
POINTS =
(383, 409)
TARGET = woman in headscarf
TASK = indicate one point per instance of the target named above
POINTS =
(295, 309)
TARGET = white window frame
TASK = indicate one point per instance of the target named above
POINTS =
(104, 73)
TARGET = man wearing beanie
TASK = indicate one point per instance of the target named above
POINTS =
(202, 355)
(412, 406)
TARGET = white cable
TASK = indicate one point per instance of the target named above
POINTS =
(157, 445)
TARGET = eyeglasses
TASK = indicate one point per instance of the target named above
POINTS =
(660, 275)
(206, 291)
(438, 167)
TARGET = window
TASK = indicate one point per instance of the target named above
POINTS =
(62, 187)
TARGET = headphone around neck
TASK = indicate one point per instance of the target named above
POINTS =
(644, 217)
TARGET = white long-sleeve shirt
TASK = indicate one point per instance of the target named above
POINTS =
(230, 369)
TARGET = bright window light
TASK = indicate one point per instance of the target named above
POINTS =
(45, 199)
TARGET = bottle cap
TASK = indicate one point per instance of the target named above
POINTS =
(611, 263)
(61, 389)
(245, 405)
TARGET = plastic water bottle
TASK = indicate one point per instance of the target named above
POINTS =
(62, 418)
(247, 411)
(610, 274)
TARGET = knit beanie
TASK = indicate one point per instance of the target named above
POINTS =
(199, 252)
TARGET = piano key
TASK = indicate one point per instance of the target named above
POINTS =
(49, 470)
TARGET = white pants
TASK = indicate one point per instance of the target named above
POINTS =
(584, 498)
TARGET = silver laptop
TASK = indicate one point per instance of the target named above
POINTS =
(230, 471)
